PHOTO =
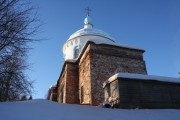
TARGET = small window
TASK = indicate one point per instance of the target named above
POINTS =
(76, 52)
(82, 94)
(64, 56)
(61, 97)
(76, 41)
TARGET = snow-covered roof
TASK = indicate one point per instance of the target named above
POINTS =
(71, 60)
(53, 85)
(115, 44)
(141, 77)
(89, 31)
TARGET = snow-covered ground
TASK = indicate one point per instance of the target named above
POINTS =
(48, 110)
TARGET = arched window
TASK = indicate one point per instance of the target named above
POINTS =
(64, 57)
(82, 94)
(76, 51)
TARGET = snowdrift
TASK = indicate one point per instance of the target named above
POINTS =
(47, 110)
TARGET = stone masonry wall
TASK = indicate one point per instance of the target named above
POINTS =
(106, 60)
(72, 84)
(82, 82)
(53, 94)
(85, 78)
(62, 87)
(69, 84)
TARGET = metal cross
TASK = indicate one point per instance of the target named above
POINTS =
(88, 11)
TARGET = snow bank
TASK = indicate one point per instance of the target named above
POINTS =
(141, 77)
(48, 110)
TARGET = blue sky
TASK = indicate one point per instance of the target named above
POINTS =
(150, 24)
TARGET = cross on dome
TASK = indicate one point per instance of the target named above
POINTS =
(88, 20)
(88, 10)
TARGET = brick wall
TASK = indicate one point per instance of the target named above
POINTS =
(106, 60)
(52, 93)
(81, 82)
(85, 78)
(69, 84)
(61, 86)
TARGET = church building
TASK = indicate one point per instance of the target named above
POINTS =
(91, 57)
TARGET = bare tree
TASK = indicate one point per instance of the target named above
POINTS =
(18, 24)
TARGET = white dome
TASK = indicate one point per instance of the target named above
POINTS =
(89, 31)
(73, 46)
